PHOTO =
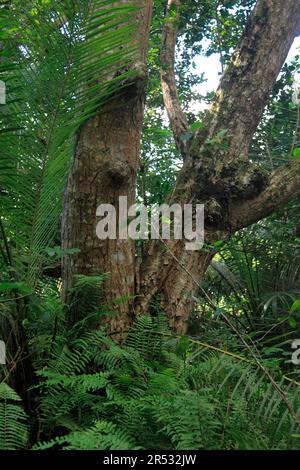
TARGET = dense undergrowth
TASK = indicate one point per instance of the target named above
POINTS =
(228, 384)
(156, 391)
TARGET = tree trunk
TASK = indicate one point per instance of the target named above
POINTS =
(104, 167)
(216, 170)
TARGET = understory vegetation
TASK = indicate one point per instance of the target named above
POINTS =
(217, 389)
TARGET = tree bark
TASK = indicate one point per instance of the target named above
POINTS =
(216, 171)
(284, 185)
(176, 115)
(104, 167)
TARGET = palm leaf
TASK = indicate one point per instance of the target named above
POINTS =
(61, 61)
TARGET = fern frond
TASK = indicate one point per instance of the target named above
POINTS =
(13, 420)
(102, 436)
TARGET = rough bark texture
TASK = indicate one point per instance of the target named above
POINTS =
(217, 172)
(254, 67)
(177, 117)
(172, 277)
(104, 168)
(284, 185)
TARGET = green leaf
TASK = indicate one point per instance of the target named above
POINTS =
(196, 126)
(222, 133)
(272, 350)
(8, 286)
(57, 251)
(183, 346)
(166, 220)
(51, 251)
(292, 323)
(296, 152)
(295, 306)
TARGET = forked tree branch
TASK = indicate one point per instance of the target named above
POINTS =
(176, 115)
(251, 74)
(238, 108)
(283, 187)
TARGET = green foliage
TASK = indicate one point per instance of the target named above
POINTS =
(13, 420)
(61, 62)
(102, 436)
(158, 391)
(256, 276)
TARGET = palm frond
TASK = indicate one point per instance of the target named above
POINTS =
(61, 62)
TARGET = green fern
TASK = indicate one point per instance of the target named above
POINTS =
(13, 420)
(164, 399)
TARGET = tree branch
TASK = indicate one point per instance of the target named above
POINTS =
(176, 115)
(252, 72)
(283, 187)
(218, 174)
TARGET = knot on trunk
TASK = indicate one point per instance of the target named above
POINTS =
(243, 180)
(117, 172)
(238, 180)
(135, 78)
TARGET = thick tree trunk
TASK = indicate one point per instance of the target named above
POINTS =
(172, 276)
(216, 171)
(104, 168)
